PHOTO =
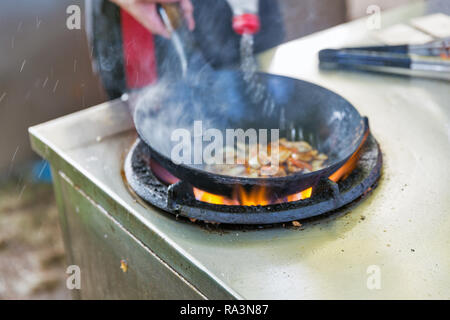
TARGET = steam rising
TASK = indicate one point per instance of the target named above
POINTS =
(220, 99)
(168, 106)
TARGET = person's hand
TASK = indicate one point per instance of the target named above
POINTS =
(146, 13)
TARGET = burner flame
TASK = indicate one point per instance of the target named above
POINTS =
(255, 197)
(344, 171)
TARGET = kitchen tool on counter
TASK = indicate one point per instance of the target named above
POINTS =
(428, 60)
(436, 48)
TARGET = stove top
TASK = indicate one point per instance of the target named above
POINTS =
(401, 229)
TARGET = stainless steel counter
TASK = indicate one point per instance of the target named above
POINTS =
(401, 230)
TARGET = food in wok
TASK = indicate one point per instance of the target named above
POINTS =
(248, 161)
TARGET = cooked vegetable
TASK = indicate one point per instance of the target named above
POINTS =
(293, 157)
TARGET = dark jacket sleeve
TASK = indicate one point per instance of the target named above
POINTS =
(105, 37)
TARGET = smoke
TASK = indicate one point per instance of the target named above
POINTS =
(168, 106)
(207, 92)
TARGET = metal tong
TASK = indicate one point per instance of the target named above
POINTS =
(430, 60)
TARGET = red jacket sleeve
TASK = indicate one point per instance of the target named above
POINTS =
(138, 53)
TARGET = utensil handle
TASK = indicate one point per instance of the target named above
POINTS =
(356, 58)
(171, 15)
(392, 49)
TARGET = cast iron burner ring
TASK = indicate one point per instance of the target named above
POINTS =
(178, 198)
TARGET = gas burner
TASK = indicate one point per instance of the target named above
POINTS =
(178, 198)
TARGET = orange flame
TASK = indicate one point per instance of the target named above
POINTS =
(256, 196)
(213, 198)
(350, 165)
(305, 194)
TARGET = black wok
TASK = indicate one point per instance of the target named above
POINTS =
(303, 111)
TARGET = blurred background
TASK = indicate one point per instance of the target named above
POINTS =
(45, 73)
